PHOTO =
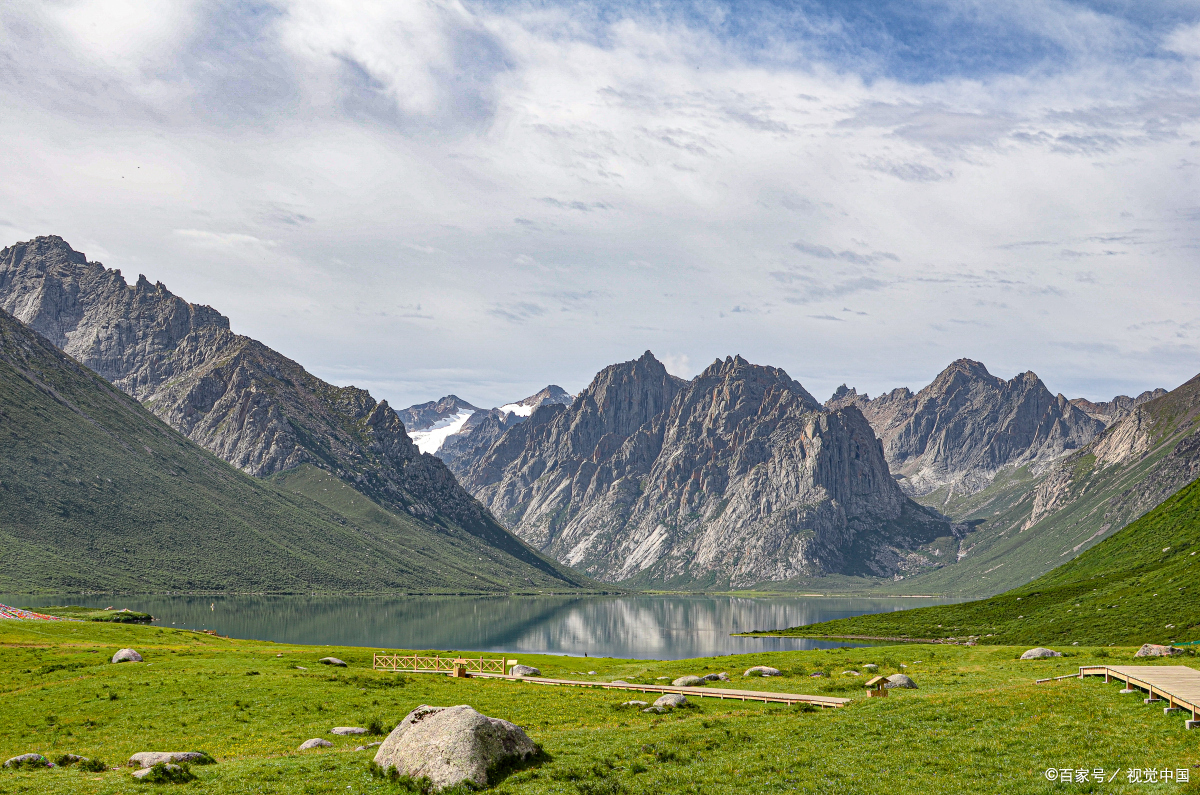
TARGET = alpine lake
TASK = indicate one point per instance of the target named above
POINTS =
(649, 627)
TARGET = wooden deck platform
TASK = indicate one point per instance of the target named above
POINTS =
(1177, 685)
(698, 692)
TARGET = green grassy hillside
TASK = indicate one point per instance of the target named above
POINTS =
(1137, 586)
(97, 494)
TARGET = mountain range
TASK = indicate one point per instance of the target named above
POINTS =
(737, 478)
(242, 401)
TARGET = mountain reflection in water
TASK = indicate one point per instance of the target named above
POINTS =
(645, 627)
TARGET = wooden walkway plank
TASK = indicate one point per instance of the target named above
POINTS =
(1178, 685)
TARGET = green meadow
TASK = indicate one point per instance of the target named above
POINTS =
(977, 723)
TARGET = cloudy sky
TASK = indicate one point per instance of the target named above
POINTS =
(427, 197)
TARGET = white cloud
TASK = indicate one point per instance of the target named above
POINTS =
(595, 184)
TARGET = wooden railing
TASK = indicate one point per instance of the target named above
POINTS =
(416, 664)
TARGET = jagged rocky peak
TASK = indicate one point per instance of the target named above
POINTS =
(552, 395)
(243, 401)
(1110, 411)
(845, 396)
(966, 425)
(736, 477)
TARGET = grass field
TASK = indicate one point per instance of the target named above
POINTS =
(977, 724)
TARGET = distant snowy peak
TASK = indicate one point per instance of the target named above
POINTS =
(431, 439)
(550, 395)
(425, 416)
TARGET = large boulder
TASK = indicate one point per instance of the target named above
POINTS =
(452, 745)
(721, 677)
(688, 681)
(1155, 650)
(346, 730)
(1039, 653)
(332, 661)
(28, 760)
(316, 742)
(671, 700)
(525, 670)
(763, 670)
(901, 680)
(151, 758)
(126, 655)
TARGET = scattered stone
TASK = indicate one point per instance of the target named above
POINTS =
(332, 661)
(660, 678)
(65, 760)
(315, 742)
(152, 758)
(1155, 650)
(900, 680)
(687, 681)
(126, 655)
(870, 667)
(851, 673)
(721, 677)
(345, 730)
(165, 773)
(301, 667)
(1039, 653)
(361, 748)
(1076, 643)
(816, 675)
(28, 760)
(671, 700)
(374, 745)
(525, 670)
(452, 745)
(763, 670)
(591, 673)
(659, 710)
(634, 704)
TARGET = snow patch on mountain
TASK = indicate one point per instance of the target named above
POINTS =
(520, 409)
(431, 439)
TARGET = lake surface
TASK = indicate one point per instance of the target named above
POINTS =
(639, 627)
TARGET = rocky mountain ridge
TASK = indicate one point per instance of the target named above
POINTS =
(234, 396)
(961, 430)
(1109, 411)
(736, 477)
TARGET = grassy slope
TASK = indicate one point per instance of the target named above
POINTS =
(1127, 589)
(98, 494)
(978, 724)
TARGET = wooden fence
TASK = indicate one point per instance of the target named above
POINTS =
(416, 664)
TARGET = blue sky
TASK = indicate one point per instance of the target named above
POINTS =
(485, 197)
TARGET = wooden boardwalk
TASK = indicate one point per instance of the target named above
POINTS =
(698, 692)
(1177, 685)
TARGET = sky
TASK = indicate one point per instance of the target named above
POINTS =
(481, 198)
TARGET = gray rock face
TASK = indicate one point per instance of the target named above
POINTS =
(763, 670)
(484, 428)
(1155, 650)
(450, 745)
(27, 760)
(347, 730)
(152, 758)
(316, 742)
(687, 681)
(967, 425)
(901, 680)
(248, 404)
(670, 701)
(736, 477)
(332, 661)
(126, 655)
(423, 415)
(1039, 653)
(525, 670)
(1118, 408)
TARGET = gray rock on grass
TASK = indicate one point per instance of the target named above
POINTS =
(721, 677)
(687, 681)
(452, 745)
(671, 700)
(152, 758)
(169, 768)
(28, 760)
(332, 661)
(1155, 650)
(316, 742)
(525, 670)
(635, 704)
(126, 655)
(900, 680)
(659, 710)
(763, 670)
(1039, 653)
(347, 730)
